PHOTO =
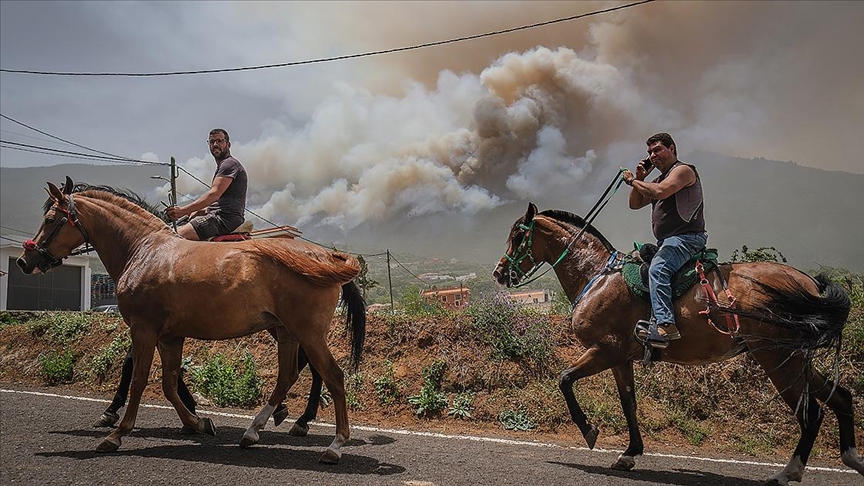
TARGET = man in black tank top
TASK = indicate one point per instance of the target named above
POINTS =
(678, 222)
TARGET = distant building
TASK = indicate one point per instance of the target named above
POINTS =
(452, 298)
(66, 287)
(534, 298)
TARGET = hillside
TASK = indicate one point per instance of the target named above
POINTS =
(812, 216)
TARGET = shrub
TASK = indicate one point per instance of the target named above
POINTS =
(60, 327)
(104, 360)
(513, 332)
(57, 367)
(386, 388)
(516, 420)
(229, 383)
(463, 405)
(428, 401)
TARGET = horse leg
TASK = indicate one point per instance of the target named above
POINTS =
(790, 377)
(301, 425)
(322, 360)
(171, 352)
(287, 355)
(627, 392)
(839, 400)
(143, 347)
(281, 411)
(588, 364)
(110, 416)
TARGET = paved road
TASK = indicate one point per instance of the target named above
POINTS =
(46, 438)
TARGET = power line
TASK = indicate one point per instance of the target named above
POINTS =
(335, 58)
(24, 147)
(60, 139)
(409, 271)
(16, 230)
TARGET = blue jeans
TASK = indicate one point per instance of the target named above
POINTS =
(672, 254)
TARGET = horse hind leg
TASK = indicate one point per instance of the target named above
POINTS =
(287, 356)
(301, 425)
(322, 360)
(839, 400)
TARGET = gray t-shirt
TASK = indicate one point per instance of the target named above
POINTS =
(232, 205)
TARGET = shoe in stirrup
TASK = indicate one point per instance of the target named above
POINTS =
(669, 331)
(656, 340)
(643, 328)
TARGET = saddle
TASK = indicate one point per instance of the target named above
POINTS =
(241, 233)
(636, 270)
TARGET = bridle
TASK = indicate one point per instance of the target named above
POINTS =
(515, 272)
(71, 217)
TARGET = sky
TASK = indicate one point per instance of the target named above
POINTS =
(460, 128)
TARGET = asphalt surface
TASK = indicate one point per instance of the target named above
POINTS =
(46, 438)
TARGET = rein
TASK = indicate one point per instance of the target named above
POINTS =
(71, 217)
(526, 239)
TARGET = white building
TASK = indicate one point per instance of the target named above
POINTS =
(66, 287)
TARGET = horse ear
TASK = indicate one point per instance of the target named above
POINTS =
(55, 192)
(532, 210)
(67, 188)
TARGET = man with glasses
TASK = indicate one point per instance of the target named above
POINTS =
(221, 209)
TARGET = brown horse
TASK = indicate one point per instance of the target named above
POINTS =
(169, 288)
(784, 316)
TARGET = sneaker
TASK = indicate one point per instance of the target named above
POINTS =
(669, 331)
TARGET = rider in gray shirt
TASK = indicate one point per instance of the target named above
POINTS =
(220, 210)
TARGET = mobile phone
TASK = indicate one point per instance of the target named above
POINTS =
(646, 162)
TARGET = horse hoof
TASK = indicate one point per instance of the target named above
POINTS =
(108, 419)
(107, 446)
(248, 441)
(591, 437)
(205, 426)
(298, 430)
(279, 415)
(330, 457)
(624, 463)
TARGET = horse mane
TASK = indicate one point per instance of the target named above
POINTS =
(122, 193)
(320, 265)
(577, 221)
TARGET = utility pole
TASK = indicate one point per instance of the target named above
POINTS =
(173, 198)
(390, 283)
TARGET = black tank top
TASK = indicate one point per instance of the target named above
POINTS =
(680, 213)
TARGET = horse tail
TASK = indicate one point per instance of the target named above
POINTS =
(355, 319)
(817, 320)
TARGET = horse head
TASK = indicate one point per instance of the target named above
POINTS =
(53, 241)
(518, 261)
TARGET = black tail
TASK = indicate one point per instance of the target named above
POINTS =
(355, 320)
(817, 320)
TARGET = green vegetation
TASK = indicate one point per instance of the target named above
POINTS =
(514, 332)
(110, 355)
(431, 399)
(762, 254)
(516, 420)
(229, 382)
(463, 405)
(386, 388)
(60, 327)
(57, 367)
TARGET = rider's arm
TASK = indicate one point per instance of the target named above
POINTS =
(642, 193)
(220, 185)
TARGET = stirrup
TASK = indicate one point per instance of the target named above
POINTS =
(642, 330)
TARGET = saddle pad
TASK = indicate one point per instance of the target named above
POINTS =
(681, 282)
(232, 237)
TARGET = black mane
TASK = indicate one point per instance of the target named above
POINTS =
(574, 220)
(122, 193)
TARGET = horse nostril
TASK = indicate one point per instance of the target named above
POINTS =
(22, 264)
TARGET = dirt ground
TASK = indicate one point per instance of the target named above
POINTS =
(732, 407)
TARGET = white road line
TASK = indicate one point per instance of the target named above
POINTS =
(455, 437)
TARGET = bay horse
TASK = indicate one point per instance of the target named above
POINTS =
(784, 316)
(169, 288)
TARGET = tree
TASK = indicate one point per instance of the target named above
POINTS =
(763, 254)
(363, 281)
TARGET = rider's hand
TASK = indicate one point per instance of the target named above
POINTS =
(174, 212)
(643, 168)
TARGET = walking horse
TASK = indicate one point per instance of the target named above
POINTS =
(784, 316)
(169, 288)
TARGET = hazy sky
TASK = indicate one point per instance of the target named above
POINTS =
(458, 128)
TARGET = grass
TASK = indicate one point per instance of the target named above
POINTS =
(229, 382)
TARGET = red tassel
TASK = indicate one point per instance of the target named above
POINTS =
(29, 245)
